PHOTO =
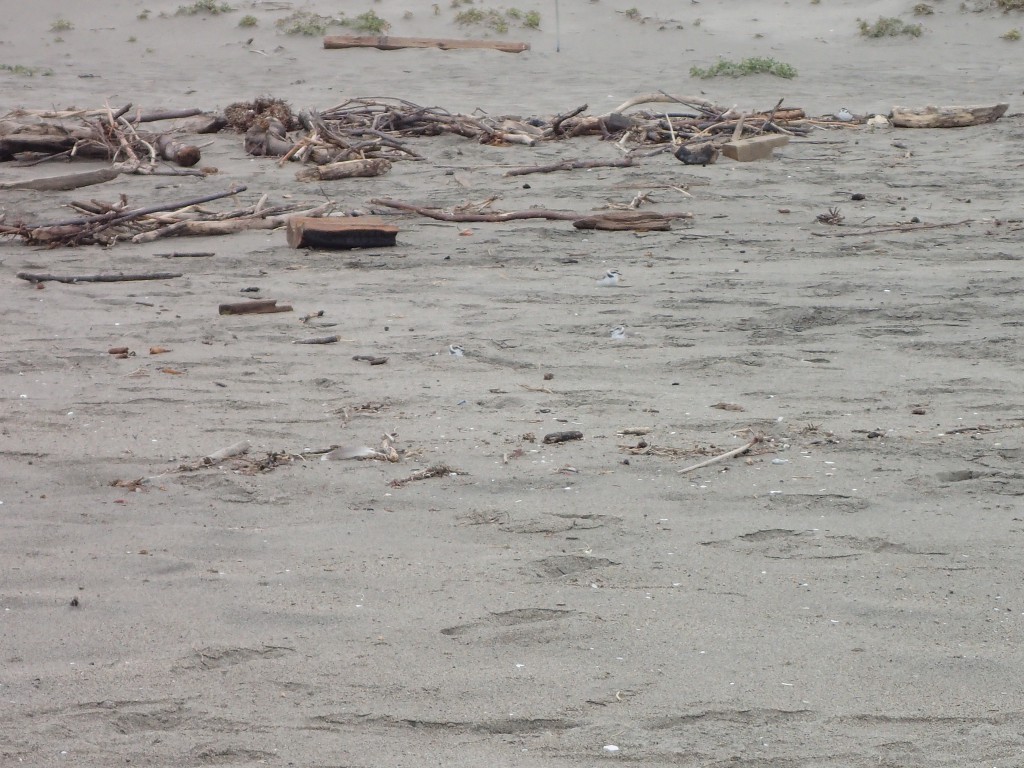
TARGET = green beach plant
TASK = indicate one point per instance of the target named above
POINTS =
(888, 26)
(755, 65)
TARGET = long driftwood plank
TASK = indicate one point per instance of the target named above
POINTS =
(947, 117)
(386, 43)
(39, 277)
(68, 181)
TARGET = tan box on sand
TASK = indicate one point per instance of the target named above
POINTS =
(340, 232)
(754, 148)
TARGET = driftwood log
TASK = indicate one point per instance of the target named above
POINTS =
(947, 117)
(385, 43)
(464, 216)
(255, 307)
(38, 277)
(347, 169)
(68, 181)
(169, 148)
(637, 221)
(569, 165)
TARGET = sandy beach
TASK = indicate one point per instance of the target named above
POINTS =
(845, 595)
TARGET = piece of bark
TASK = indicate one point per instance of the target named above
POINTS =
(346, 169)
(386, 43)
(638, 221)
(169, 148)
(340, 233)
(319, 340)
(703, 153)
(68, 181)
(562, 437)
(237, 449)
(40, 277)
(201, 124)
(947, 117)
(258, 307)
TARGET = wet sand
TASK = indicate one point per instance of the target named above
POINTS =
(846, 595)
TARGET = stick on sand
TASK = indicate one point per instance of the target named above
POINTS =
(728, 455)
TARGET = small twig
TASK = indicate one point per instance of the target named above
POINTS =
(722, 457)
(896, 228)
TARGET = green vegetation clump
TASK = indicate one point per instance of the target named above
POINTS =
(211, 7)
(923, 9)
(313, 24)
(498, 21)
(248, 21)
(368, 22)
(889, 26)
(1011, 35)
(1010, 5)
(20, 69)
(306, 23)
(755, 65)
(61, 25)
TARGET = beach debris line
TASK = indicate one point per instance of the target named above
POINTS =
(387, 43)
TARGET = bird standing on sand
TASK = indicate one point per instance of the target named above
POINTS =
(844, 115)
(618, 332)
(610, 279)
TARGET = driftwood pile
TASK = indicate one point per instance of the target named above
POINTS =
(375, 128)
(36, 136)
(363, 137)
(108, 223)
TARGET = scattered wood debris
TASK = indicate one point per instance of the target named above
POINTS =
(437, 470)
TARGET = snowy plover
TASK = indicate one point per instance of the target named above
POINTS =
(844, 115)
(618, 332)
(456, 350)
(611, 277)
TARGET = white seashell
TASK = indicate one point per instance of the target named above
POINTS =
(349, 452)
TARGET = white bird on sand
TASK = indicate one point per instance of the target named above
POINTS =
(611, 278)
(456, 350)
(618, 332)
(844, 115)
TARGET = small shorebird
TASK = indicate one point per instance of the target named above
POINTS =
(611, 278)
(456, 350)
(618, 332)
(844, 115)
